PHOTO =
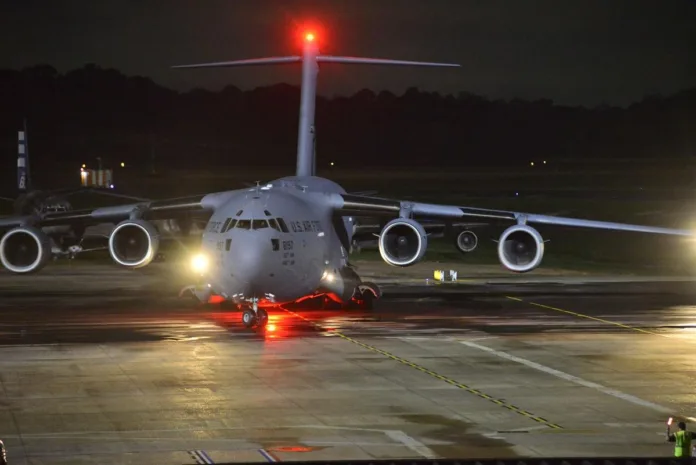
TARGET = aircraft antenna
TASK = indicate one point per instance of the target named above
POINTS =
(310, 60)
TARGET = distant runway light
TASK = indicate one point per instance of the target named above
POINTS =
(531, 164)
(123, 164)
(332, 163)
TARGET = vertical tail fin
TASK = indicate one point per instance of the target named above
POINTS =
(23, 181)
(310, 59)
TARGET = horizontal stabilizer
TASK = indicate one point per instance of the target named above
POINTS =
(380, 61)
(250, 62)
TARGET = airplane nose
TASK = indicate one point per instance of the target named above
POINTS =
(247, 259)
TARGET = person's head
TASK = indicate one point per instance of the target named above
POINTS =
(682, 426)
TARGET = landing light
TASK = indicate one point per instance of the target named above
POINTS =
(199, 263)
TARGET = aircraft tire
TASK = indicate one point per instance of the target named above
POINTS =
(248, 318)
(367, 301)
(262, 317)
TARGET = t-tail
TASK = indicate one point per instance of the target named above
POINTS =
(310, 59)
(23, 180)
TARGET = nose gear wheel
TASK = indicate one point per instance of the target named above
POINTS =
(254, 316)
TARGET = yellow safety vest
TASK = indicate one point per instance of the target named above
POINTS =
(682, 444)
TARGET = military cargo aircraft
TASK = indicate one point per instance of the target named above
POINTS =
(288, 240)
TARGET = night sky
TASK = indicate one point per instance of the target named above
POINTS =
(582, 52)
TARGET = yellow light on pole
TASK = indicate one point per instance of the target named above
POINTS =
(123, 164)
(531, 164)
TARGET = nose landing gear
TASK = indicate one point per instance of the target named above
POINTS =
(254, 316)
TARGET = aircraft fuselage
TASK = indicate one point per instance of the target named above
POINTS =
(279, 243)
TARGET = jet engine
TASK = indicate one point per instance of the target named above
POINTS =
(402, 242)
(466, 241)
(134, 243)
(520, 248)
(25, 250)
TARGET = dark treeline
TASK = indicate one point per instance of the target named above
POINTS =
(91, 112)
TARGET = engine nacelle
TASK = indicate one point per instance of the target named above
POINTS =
(466, 241)
(403, 242)
(134, 243)
(25, 250)
(341, 284)
(521, 248)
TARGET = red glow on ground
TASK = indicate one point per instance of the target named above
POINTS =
(216, 299)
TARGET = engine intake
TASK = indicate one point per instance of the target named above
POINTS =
(521, 248)
(25, 250)
(403, 242)
(134, 243)
(466, 241)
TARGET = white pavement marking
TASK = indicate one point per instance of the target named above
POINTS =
(267, 456)
(574, 379)
(412, 444)
(200, 457)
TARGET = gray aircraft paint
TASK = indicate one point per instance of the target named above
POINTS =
(316, 260)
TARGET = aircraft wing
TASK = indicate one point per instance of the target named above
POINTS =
(368, 231)
(155, 209)
(372, 206)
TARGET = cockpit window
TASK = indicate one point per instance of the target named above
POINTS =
(233, 222)
(274, 224)
(243, 224)
(225, 225)
(267, 213)
(283, 226)
(239, 212)
(259, 224)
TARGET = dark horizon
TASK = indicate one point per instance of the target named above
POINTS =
(93, 112)
(600, 105)
(575, 53)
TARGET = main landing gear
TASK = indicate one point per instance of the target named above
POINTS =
(365, 295)
(254, 316)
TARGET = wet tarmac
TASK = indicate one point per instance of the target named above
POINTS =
(102, 365)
